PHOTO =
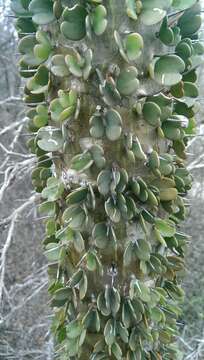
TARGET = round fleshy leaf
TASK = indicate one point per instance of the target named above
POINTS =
(88, 55)
(39, 82)
(183, 4)
(98, 19)
(104, 180)
(127, 82)
(190, 22)
(97, 127)
(154, 11)
(168, 69)
(113, 125)
(75, 216)
(59, 67)
(119, 43)
(20, 10)
(133, 46)
(152, 113)
(153, 16)
(25, 26)
(82, 162)
(100, 235)
(166, 34)
(43, 49)
(26, 46)
(55, 109)
(110, 94)
(97, 153)
(42, 11)
(50, 138)
(53, 190)
(190, 89)
(165, 227)
(112, 211)
(73, 27)
(184, 50)
(131, 9)
(73, 65)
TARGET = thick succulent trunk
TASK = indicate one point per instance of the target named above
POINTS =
(111, 86)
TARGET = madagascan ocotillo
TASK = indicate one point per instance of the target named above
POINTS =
(110, 88)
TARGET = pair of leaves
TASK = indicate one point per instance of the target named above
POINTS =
(130, 47)
(168, 69)
(77, 22)
(76, 217)
(54, 189)
(111, 181)
(91, 321)
(50, 139)
(154, 11)
(39, 82)
(42, 11)
(80, 66)
(108, 301)
(80, 282)
(63, 107)
(107, 123)
(94, 155)
(39, 116)
(139, 249)
(70, 235)
(103, 235)
(169, 35)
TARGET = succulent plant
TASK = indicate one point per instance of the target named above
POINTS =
(111, 89)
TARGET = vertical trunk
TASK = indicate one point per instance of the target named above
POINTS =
(111, 85)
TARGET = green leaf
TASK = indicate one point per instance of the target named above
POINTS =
(104, 180)
(112, 297)
(20, 9)
(59, 67)
(183, 4)
(82, 162)
(168, 69)
(152, 113)
(127, 82)
(131, 9)
(77, 196)
(113, 124)
(116, 351)
(190, 89)
(53, 190)
(142, 249)
(49, 208)
(98, 19)
(74, 329)
(52, 252)
(75, 217)
(166, 34)
(73, 25)
(42, 11)
(91, 321)
(97, 153)
(50, 138)
(109, 332)
(165, 227)
(133, 46)
(100, 235)
(190, 22)
(39, 82)
(140, 290)
(43, 49)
